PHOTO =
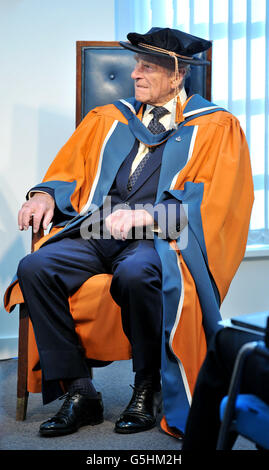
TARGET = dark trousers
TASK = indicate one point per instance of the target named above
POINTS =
(212, 385)
(50, 275)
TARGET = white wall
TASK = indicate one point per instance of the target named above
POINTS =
(249, 290)
(37, 109)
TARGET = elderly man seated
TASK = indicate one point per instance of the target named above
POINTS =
(157, 191)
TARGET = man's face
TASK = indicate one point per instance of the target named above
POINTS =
(154, 84)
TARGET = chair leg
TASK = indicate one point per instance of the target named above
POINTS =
(22, 392)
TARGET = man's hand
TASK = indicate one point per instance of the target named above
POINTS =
(120, 222)
(40, 206)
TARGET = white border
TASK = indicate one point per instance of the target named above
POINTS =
(171, 338)
(201, 110)
(193, 139)
(130, 106)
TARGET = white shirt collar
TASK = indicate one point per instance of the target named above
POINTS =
(169, 105)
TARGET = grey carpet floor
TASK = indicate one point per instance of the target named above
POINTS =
(113, 381)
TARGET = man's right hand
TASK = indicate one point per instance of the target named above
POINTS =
(40, 207)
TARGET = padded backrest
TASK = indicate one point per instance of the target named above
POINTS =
(103, 75)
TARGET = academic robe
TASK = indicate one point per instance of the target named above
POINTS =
(205, 166)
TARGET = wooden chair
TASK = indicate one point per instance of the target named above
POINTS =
(103, 76)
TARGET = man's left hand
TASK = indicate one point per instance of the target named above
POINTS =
(120, 222)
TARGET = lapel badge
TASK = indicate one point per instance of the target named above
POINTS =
(178, 139)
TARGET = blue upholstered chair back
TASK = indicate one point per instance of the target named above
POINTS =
(103, 75)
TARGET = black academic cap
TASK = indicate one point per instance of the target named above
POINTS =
(168, 42)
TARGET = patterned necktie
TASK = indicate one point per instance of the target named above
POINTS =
(156, 128)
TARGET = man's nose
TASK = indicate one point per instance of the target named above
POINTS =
(136, 73)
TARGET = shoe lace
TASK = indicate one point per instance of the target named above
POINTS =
(67, 397)
(67, 394)
(138, 396)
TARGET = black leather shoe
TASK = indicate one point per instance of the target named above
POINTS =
(76, 411)
(141, 412)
